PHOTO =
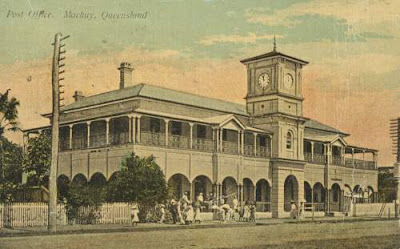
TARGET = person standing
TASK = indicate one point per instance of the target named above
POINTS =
(197, 212)
(252, 213)
(134, 214)
(173, 211)
(162, 213)
(235, 205)
(293, 210)
(189, 214)
(246, 212)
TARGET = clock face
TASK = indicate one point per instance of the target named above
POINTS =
(263, 81)
(288, 81)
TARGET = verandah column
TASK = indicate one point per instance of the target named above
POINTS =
(191, 136)
(71, 126)
(221, 137)
(242, 142)
(138, 134)
(312, 151)
(88, 134)
(129, 129)
(255, 143)
(133, 129)
(238, 144)
(166, 121)
(107, 131)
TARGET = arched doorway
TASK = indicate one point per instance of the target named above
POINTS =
(291, 192)
(263, 196)
(229, 189)
(319, 197)
(202, 184)
(178, 184)
(307, 192)
(248, 190)
(79, 180)
(98, 180)
(336, 197)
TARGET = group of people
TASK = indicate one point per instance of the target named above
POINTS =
(226, 212)
(186, 212)
(297, 212)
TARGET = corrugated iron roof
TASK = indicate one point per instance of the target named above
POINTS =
(160, 93)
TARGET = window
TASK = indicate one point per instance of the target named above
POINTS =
(289, 141)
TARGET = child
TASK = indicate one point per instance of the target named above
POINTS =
(134, 214)
(189, 214)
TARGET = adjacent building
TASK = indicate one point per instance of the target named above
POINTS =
(265, 150)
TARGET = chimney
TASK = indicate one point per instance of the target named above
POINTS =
(125, 74)
(78, 96)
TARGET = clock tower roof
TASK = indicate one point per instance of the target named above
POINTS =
(273, 54)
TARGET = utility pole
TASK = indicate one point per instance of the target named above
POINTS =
(56, 71)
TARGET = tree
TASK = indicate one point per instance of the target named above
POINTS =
(37, 159)
(12, 157)
(8, 113)
(140, 180)
(10, 154)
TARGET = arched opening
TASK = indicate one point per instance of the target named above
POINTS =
(229, 189)
(291, 192)
(335, 197)
(371, 195)
(178, 184)
(348, 191)
(248, 190)
(202, 184)
(307, 192)
(62, 186)
(358, 194)
(263, 196)
(357, 189)
(79, 180)
(98, 180)
(319, 197)
(114, 176)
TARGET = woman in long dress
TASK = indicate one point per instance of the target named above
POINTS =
(197, 212)
(189, 214)
(134, 214)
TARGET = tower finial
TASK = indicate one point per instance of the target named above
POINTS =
(274, 43)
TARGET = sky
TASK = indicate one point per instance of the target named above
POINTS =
(351, 83)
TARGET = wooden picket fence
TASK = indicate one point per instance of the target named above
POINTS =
(36, 214)
(107, 213)
(28, 214)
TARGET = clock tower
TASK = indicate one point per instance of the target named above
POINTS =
(274, 100)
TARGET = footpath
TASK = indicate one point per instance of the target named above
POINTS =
(143, 227)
